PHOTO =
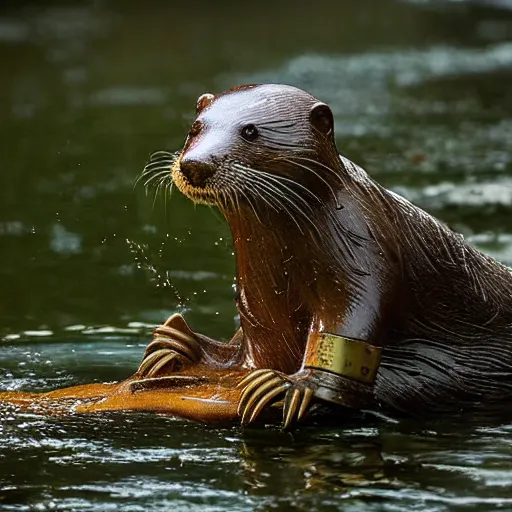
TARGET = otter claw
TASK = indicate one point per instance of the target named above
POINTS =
(291, 407)
(173, 341)
(291, 402)
(185, 342)
(188, 349)
(252, 376)
(149, 360)
(254, 395)
(251, 385)
(262, 386)
(164, 360)
(264, 400)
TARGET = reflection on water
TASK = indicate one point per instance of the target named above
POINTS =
(422, 98)
(150, 462)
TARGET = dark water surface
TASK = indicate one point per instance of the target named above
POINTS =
(422, 94)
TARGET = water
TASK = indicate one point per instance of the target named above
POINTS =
(422, 94)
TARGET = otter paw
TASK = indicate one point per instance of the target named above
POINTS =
(174, 345)
(261, 387)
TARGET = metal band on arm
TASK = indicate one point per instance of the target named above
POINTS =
(343, 369)
(354, 359)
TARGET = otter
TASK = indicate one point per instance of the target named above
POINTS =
(348, 294)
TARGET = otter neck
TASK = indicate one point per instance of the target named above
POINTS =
(280, 273)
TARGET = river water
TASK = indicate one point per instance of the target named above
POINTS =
(422, 95)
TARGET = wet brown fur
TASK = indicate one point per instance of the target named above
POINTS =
(320, 245)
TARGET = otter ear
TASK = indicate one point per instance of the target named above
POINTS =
(203, 101)
(321, 118)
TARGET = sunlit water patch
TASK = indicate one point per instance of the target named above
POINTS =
(364, 84)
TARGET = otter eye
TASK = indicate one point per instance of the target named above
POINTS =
(249, 132)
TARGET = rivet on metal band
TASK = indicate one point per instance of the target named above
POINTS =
(351, 358)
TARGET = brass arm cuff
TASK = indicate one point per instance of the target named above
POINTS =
(347, 357)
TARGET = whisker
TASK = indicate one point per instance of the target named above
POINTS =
(157, 166)
(157, 190)
(155, 161)
(239, 191)
(232, 196)
(160, 162)
(274, 189)
(280, 179)
(156, 177)
(253, 187)
(238, 210)
(251, 205)
(281, 195)
(165, 187)
(162, 153)
(273, 201)
(317, 175)
(273, 192)
(330, 169)
(275, 177)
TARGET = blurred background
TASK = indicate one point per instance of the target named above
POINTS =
(421, 90)
(422, 96)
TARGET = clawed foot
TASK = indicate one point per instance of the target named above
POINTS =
(174, 345)
(263, 387)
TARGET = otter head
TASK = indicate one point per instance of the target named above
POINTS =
(257, 140)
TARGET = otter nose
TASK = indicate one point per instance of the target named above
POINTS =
(196, 172)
